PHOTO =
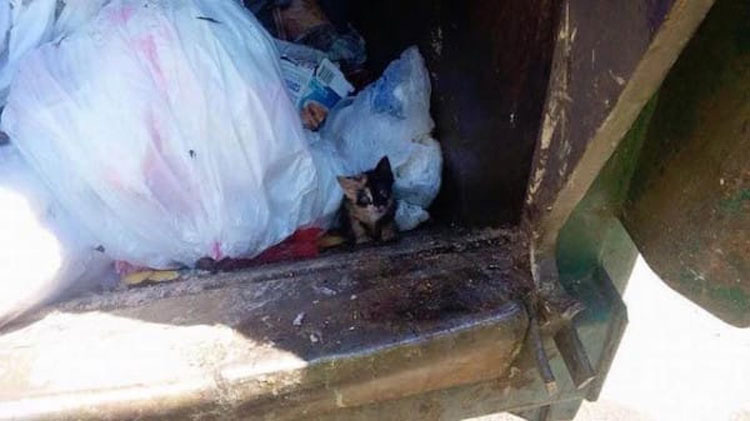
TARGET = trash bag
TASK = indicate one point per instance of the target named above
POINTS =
(23, 26)
(392, 117)
(26, 24)
(4, 24)
(166, 130)
(418, 183)
(72, 14)
(43, 252)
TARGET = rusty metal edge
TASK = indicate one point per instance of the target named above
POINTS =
(681, 23)
(236, 392)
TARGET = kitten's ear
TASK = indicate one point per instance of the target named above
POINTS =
(351, 186)
(384, 168)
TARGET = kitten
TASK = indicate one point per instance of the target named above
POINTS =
(369, 208)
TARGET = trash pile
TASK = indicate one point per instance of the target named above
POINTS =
(43, 251)
(165, 133)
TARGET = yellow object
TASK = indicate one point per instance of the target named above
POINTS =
(329, 241)
(139, 278)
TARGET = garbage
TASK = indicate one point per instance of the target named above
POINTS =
(315, 84)
(346, 48)
(167, 132)
(150, 276)
(26, 24)
(391, 117)
(44, 253)
(23, 26)
(330, 241)
(309, 23)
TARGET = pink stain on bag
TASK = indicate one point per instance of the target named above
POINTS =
(120, 15)
(147, 47)
(184, 141)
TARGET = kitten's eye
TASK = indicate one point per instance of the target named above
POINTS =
(384, 193)
(363, 199)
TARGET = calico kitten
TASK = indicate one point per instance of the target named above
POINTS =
(369, 208)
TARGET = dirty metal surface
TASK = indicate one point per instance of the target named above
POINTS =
(689, 206)
(284, 341)
(521, 389)
(490, 63)
(609, 60)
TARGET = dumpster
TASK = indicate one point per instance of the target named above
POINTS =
(561, 155)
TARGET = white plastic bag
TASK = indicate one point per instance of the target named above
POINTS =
(75, 13)
(164, 128)
(4, 26)
(43, 253)
(392, 117)
(23, 26)
(418, 183)
(26, 24)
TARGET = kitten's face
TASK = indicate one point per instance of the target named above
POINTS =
(371, 193)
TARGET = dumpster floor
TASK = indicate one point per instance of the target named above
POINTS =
(349, 328)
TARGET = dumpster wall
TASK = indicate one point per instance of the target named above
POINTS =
(490, 64)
